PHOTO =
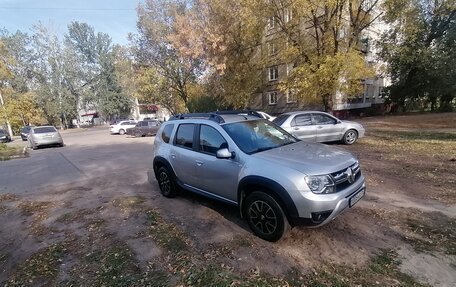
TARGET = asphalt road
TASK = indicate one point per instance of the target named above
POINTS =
(87, 154)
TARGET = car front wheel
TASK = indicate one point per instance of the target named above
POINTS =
(121, 132)
(350, 137)
(166, 182)
(265, 216)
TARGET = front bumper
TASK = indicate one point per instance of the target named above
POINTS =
(319, 209)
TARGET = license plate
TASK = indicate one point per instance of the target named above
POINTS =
(355, 198)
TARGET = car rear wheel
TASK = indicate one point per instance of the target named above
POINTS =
(121, 132)
(350, 137)
(166, 182)
(265, 216)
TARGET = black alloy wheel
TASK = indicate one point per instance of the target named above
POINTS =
(166, 182)
(265, 216)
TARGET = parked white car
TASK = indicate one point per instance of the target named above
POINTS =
(122, 126)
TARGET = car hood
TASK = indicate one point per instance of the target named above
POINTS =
(309, 158)
(352, 123)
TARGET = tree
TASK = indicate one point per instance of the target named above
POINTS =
(225, 36)
(419, 48)
(97, 81)
(153, 49)
(321, 40)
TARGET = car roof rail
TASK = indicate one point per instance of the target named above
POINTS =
(207, 116)
(240, 112)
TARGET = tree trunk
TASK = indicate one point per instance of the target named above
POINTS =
(328, 103)
(10, 131)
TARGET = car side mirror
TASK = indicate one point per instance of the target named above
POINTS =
(338, 122)
(224, 153)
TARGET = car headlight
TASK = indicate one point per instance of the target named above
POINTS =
(320, 184)
(2, 137)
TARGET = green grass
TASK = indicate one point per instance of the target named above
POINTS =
(128, 201)
(414, 135)
(165, 234)
(383, 270)
(436, 233)
(9, 152)
(39, 269)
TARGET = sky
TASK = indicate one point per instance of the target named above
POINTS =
(117, 18)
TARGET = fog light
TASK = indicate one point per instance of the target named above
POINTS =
(319, 217)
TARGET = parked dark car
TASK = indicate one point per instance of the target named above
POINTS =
(144, 128)
(4, 136)
(25, 131)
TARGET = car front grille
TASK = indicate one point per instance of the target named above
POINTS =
(343, 179)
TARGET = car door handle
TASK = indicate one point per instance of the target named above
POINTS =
(173, 156)
(319, 127)
(199, 163)
(296, 129)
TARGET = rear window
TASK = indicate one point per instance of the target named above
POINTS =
(280, 119)
(44, 130)
(166, 133)
(184, 135)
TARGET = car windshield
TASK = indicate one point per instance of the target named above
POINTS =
(43, 130)
(2, 132)
(258, 135)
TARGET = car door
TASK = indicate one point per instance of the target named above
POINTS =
(217, 176)
(303, 128)
(183, 155)
(327, 128)
(143, 128)
(153, 128)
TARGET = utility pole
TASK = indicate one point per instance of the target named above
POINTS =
(10, 131)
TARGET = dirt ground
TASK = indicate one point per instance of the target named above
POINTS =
(122, 232)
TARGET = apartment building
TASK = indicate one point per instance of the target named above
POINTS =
(275, 101)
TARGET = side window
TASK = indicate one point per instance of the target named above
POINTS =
(166, 133)
(302, 120)
(144, 124)
(211, 140)
(321, 119)
(184, 136)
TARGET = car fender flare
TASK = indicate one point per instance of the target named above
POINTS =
(276, 190)
(158, 160)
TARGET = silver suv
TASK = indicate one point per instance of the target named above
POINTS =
(276, 180)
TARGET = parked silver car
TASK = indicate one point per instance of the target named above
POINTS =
(44, 136)
(275, 179)
(319, 127)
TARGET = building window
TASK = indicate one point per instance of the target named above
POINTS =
(271, 48)
(273, 73)
(272, 98)
(291, 97)
(290, 68)
(287, 15)
(271, 22)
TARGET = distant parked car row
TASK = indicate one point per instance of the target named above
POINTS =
(136, 129)
(4, 136)
(311, 126)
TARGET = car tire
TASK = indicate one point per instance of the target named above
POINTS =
(121, 132)
(166, 182)
(350, 137)
(265, 216)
